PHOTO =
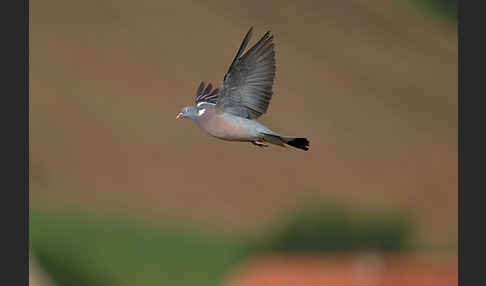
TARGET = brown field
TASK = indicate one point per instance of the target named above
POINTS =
(371, 84)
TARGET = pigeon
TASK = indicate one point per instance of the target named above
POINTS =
(230, 112)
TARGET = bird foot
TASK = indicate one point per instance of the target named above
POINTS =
(259, 143)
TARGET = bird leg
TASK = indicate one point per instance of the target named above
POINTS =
(259, 143)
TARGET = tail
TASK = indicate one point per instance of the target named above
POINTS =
(300, 143)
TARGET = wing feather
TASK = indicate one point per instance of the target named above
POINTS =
(247, 86)
(206, 94)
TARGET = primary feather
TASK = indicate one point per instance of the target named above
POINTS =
(247, 86)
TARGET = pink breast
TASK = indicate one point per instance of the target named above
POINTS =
(218, 126)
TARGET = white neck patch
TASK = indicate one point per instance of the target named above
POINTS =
(203, 102)
(201, 112)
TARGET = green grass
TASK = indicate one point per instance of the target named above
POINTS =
(330, 229)
(444, 9)
(79, 251)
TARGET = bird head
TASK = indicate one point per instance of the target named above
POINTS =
(188, 111)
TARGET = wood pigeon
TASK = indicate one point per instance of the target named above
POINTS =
(229, 113)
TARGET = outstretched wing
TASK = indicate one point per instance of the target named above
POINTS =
(247, 86)
(206, 95)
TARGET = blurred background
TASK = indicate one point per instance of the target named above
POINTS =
(123, 194)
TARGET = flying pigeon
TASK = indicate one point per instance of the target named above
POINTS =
(229, 113)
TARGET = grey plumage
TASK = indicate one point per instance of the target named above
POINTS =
(247, 86)
(206, 94)
(228, 113)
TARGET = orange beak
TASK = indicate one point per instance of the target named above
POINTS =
(179, 115)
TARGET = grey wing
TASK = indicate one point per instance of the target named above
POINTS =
(207, 95)
(247, 86)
